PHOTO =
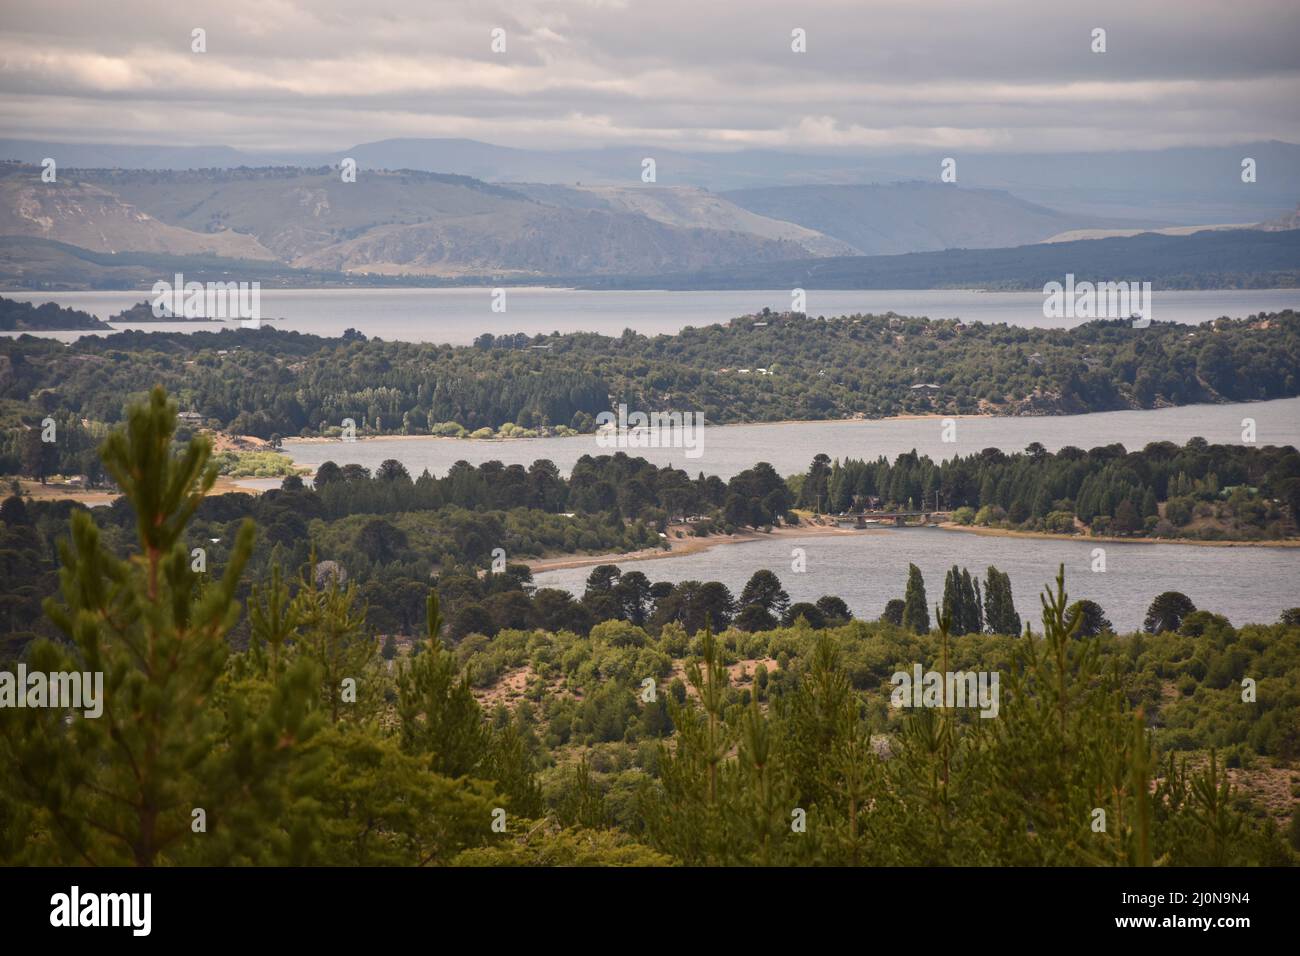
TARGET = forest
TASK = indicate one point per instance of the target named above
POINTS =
(25, 317)
(278, 728)
(1198, 490)
(274, 384)
(1228, 259)
(390, 534)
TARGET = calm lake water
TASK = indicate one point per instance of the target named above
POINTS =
(869, 568)
(790, 447)
(866, 569)
(459, 315)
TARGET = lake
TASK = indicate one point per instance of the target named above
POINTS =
(869, 568)
(866, 569)
(457, 316)
(790, 447)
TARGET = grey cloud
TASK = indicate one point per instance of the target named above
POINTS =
(886, 75)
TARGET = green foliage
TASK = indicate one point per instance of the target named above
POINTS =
(999, 606)
(255, 464)
(207, 756)
(1167, 611)
(803, 762)
(263, 382)
(916, 612)
(173, 736)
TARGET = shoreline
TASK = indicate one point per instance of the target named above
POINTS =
(909, 417)
(688, 543)
(681, 547)
(689, 546)
(1116, 539)
(322, 440)
(929, 416)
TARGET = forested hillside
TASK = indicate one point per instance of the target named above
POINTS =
(1227, 259)
(390, 533)
(656, 742)
(264, 382)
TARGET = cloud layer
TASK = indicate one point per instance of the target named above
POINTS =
(878, 75)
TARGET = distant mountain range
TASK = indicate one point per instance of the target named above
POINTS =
(1178, 186)
(407, 223)
(913, 217)
(385, 223)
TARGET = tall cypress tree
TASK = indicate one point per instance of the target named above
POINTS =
(971, 617)
(999, 607)
(953, 608)
(916, 612)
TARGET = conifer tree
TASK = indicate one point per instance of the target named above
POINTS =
(438, 714)
(973, 617)
(761, 797)
(332, 633)
(684, 815)
(122, 788)
(1000, 615)
(1066, 745)
(916, 612)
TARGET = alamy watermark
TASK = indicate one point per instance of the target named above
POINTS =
(62, 690)
(208, 300)
(947, 689)
(75, 908)
(1100, 300)
(654, 430)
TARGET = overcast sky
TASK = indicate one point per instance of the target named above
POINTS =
(878, 75)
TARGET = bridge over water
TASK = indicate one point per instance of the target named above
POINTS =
(862, 518)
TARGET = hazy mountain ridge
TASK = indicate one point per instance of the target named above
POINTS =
(686, 206)
(912, 216)
(543, 241)
(386, 222)
(1177, 185)
(449, 227)
(83, 214)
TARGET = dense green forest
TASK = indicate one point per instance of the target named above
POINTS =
(279, 729)
(392, 533)
(25, 317)
(1209, 492)
(271, 384)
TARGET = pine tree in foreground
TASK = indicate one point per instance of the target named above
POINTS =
(175, 766)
